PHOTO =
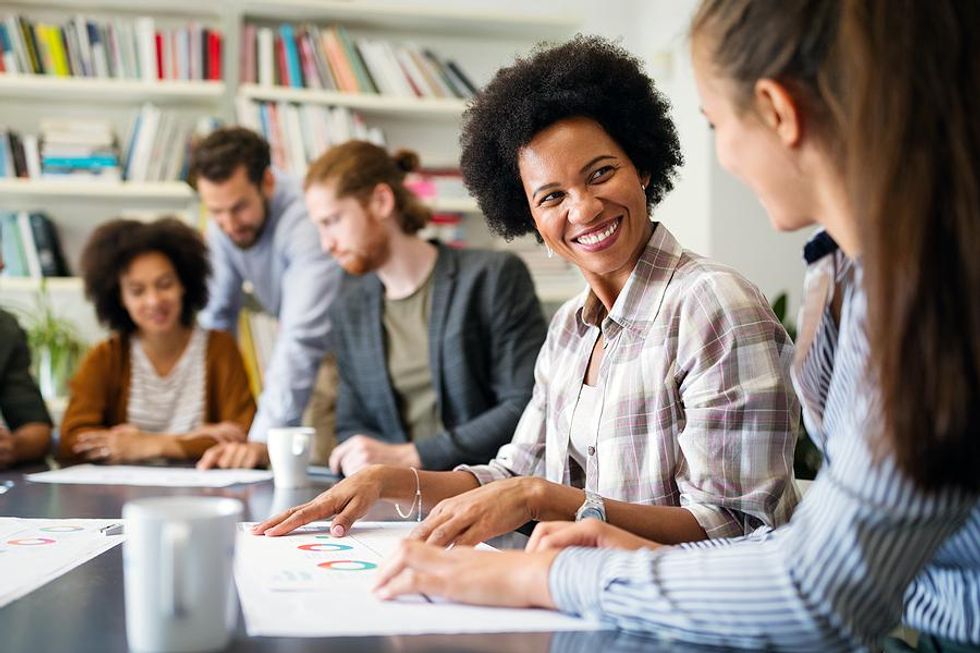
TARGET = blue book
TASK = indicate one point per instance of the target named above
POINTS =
(292, 55)
(15, 263)
(84, 162)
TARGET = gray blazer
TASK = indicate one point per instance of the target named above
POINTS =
(485, 331)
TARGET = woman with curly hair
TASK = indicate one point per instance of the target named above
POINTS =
(662, 401)
(160, 386)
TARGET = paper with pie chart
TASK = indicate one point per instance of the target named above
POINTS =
(36, 551)
(311, 584)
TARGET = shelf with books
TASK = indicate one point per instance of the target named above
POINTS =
(435, 108)
(109, 90)
(183, 8)
(175, 192)
(415, 18)
(453, 205)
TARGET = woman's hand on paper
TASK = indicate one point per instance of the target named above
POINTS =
(499, 578)
(482, 513)
(588, 533)
(346, 501)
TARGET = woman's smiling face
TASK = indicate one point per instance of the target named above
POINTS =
(586, 197)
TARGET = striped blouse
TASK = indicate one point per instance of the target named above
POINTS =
(173, 403)
(863, 546)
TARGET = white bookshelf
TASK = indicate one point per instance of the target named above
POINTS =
(481, 39)
(454, 205)
(31, 285)
(414, 17)
(50, 87)
(164, 192)
(366, 103)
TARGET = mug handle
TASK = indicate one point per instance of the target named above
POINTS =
(301, 441)
(174, 552)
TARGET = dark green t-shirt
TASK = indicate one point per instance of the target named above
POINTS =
(20, 399)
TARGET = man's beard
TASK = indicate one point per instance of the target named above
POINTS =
(367, 259)
(257, 233)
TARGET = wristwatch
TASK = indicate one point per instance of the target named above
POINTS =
(593, 506)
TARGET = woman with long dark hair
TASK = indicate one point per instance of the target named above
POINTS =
(861, 116)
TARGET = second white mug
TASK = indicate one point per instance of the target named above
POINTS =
(289, 453)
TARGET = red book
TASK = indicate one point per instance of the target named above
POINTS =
(281, 62)
(159, 44)
(214, 56)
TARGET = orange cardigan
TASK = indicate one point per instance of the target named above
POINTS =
(100, 391)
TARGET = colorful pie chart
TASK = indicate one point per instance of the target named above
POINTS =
(347, 565)
(325, 547)
(30, 541)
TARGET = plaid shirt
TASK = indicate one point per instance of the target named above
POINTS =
(697, 409)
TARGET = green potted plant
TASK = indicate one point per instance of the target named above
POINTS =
(55, 345)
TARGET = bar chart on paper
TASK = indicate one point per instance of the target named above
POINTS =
(311, 584)
(36, 551)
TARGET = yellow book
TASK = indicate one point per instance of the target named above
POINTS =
(56, 45)
(247, 345)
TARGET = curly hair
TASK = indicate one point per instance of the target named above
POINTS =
(114, 245)
(585, 77)
(218, 155)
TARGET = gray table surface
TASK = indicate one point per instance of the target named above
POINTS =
(82, 610)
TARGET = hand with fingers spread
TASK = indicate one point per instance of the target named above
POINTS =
(498, 578)
(346, 502)
(235, 455)
(556, 535)
(358, 451)
(482, 513)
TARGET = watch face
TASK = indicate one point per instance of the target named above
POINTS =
(589, 511)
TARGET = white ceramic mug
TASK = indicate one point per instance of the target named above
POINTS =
(289, 453)
(177, 562)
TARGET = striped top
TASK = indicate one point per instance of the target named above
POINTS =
(694, 406)
(173, 403)
(863, 545)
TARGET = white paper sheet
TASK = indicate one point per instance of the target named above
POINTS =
(150, 476)
(36, 551)
(310, 584)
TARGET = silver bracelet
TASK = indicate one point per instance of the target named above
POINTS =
(417, 501)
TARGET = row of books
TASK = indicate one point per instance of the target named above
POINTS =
(159, 144)
(118, 49)
(299, 133)
(308, 56)
(31, 247)
(75, 149)
(552, 275)
(448, 228)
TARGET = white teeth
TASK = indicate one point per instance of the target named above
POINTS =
(592, 239)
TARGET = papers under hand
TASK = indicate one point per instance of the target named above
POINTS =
(150, 476)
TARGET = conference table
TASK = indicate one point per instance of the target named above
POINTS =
(83, 610)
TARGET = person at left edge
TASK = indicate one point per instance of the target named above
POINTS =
(259, 232)
(25, 432)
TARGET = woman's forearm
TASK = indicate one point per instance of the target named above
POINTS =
(663, 524)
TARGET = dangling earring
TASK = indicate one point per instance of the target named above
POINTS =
(550, 252)
(643, 187)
